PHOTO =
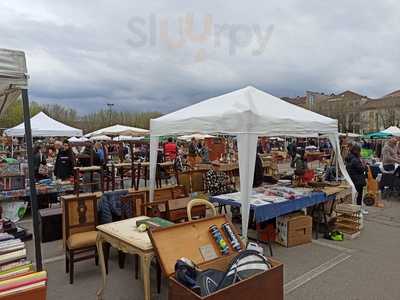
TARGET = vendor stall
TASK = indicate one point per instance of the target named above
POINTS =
(246, 113)
(13, 84)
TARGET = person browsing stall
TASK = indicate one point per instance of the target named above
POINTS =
(65, 162)
(389, 155)
(170, 150)
(356, 170)
(38, 162)
(192, 153)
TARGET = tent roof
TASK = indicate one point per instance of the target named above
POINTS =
(350, 134)
(75, 139)
(119, 130)
(43, 125)
(122, 138)
(247, 110)
(393, 130)
(377, 135)
(197, 136)
(13, 76)
(100, 138)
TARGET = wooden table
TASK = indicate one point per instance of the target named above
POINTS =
(123, 236)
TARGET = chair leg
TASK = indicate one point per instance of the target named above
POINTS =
(96, 258)
(121, 259)
(137, 266)
(66, 262)
(106, 250)
(158, 277)
(71, 267)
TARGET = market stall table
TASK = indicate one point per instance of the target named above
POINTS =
(265, 210)
(266, 207)
(123, 236)
(41, 190)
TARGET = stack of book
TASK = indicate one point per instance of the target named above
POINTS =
(17, 277)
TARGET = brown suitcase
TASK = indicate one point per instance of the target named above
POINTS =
(185, 240)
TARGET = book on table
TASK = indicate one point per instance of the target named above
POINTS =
(23, 283)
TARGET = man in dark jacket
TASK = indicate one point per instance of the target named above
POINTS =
(64, 163)
(356, 170)
(258, 172)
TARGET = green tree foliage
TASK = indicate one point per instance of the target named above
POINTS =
(89, 122)
(15, 114)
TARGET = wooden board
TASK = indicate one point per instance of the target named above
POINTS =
(185, 240)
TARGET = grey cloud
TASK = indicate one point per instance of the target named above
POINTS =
(78, 51)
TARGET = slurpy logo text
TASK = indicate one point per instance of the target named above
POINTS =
(206, 38)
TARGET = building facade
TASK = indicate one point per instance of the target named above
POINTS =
(355, 112)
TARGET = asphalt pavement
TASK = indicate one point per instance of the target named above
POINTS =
(366, 268)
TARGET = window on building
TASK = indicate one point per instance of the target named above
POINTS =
(311, 100)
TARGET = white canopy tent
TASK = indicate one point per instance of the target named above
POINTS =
(197, 136)
(119, 130)
(126, 138)
(393, 130)
(350, 135)
(43, 126)
(100, 138)
(75, 139)
(246, 113)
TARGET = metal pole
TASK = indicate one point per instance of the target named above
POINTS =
(32, 186)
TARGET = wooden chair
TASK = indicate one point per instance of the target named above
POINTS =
(197, 202)
(80, 221)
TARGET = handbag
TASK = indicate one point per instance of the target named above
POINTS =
(246, 264)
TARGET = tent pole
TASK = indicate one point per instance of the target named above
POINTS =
(32, 186)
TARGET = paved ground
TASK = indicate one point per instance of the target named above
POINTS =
(367, 268)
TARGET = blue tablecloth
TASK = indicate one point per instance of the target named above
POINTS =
(272, 210)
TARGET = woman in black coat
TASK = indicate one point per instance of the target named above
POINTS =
(65, 162)
(356, 170)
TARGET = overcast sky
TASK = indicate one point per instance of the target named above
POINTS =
(145, 55)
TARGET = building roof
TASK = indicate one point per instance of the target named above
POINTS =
(385, 102)
(393, 94)
(348, 94)
(298, 100)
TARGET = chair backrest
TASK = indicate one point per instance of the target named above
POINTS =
(198, 201)
(184, 180)
(197, 181)
(80, 214)
(132, 205)
(179, 191)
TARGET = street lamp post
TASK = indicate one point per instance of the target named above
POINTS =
(110, 106)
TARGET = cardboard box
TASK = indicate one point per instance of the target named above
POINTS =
(293, 230)
(185, 239)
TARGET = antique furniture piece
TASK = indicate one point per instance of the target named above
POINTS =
(196, 202)
(78, 171)
(80, 221)
(187, 240)
(124, 236)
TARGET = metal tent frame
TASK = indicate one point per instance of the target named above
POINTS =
(13, 83)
